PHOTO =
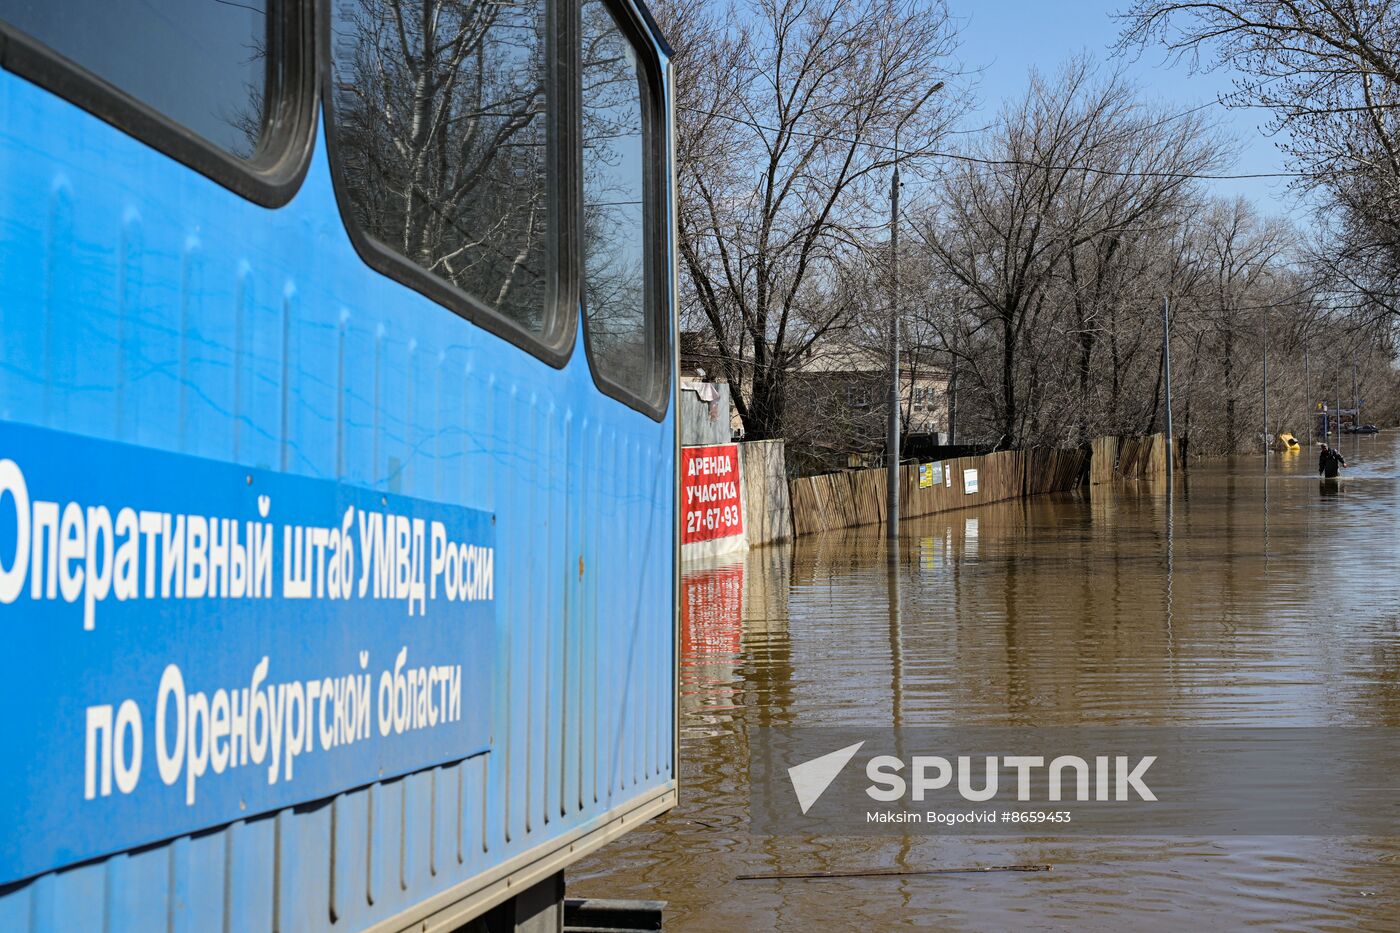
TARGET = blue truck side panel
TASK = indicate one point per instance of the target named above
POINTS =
(142, 303)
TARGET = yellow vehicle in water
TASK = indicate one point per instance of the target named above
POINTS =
(1287, 443)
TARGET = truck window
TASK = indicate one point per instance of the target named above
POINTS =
(442, 137)
(204, 65)
(626, 325)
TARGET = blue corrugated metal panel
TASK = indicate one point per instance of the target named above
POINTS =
(140, 302)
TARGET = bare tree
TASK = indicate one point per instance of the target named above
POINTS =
(1330, 74)
(1073, 171)
(788, 111)
(1243, 277)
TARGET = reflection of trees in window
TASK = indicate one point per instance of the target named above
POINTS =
(440, 119)
(201, 63)
(249, 119)
(614, 248)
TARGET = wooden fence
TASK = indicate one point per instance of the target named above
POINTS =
(1116, 458)
(837, 500)
(1048, 469)
(763, 476)
(845, 500)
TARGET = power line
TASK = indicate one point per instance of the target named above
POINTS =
(998, 163)
(1217, 101)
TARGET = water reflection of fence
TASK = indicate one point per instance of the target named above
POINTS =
(847, 500)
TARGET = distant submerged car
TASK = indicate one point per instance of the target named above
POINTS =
(1361, 429)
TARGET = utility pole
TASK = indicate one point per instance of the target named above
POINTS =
(892, 434)
(1268, 437)
(1307, 394)
(1355, 399)
(952, 394)
(1167, 373)
(953, 405)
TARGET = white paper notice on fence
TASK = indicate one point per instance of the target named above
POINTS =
(947, 475)
(969, 482)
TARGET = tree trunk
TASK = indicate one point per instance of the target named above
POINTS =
(1008, 383)
(767, 405)
(1086, 356)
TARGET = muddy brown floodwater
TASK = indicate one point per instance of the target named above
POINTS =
(1257, 598)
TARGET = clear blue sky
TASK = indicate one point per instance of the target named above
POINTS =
(1003, 39)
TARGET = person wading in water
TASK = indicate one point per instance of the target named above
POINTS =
(1330, 462)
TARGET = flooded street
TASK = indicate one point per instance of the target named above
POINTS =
(1256, 598)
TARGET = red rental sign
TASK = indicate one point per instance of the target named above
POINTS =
(710, 486)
